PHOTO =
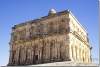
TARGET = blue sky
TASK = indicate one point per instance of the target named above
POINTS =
(17, 11)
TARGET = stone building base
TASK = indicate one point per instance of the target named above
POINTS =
(65, 63)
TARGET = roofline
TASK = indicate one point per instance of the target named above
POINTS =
(56, 13)
(39, 19)
(77, 21)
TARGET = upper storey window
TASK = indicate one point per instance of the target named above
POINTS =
(51, 28)
(63, 20)
(62, 26)
(39, 30)
(22, 35)
(19, 35)
(14, 36)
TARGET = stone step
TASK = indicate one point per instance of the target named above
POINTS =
(66, 63)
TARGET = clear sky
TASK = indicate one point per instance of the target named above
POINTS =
(17, 11)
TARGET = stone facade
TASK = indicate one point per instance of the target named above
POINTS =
(53, 38)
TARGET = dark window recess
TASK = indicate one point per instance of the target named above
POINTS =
(36, 57)
(63, 20)
(87, 39)
(68, 29)
(83, 59)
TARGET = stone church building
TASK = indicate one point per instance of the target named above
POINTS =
(56, 37)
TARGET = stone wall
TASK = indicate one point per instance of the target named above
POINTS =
(53, 38)
(42, 42)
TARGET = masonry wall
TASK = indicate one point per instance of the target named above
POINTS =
(79, 43)
(41, 42)
(54, 38)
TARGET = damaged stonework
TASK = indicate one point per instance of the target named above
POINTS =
(53, 38)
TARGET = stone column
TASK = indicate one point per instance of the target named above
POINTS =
(47, 50)
(17, 56)
(55, 50)
(10, 57)
(58, 52)
(74, 51)
(52, 50)
(78, 55)
(33, 52)
(40, 51)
